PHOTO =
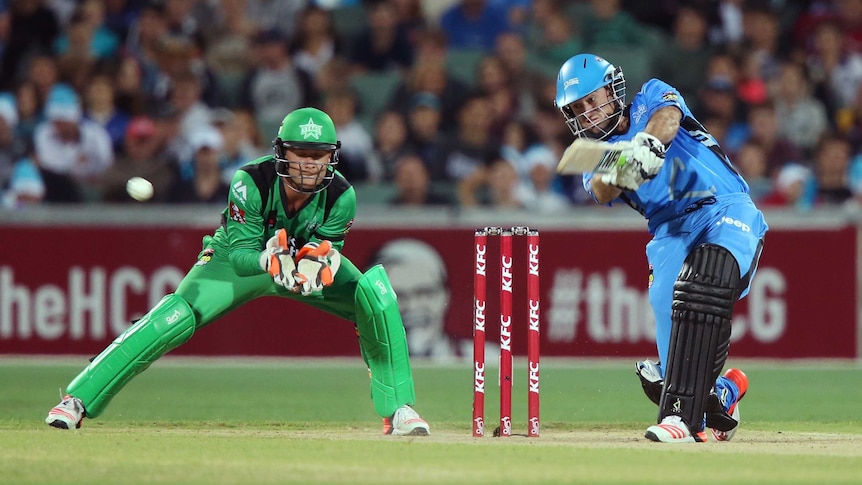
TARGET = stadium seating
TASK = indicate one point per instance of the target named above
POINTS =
(374, 90)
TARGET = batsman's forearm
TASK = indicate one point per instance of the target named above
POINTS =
(664, 124)
(603, 192)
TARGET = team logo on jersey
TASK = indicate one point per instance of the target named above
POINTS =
(312, 226)
(310, 129)
(205, 257)
(638, 114)
(670, 96)
(237, 214)
(240, 191)
(650, 278)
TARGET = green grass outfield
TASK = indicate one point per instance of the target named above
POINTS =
(285, 421)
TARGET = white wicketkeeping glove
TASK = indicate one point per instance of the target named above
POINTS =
(275, 259)
(634, 167)
(316, 265)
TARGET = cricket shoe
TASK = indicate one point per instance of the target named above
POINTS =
(405, 422)
(741, 381)
(672, 429)
(68, 414)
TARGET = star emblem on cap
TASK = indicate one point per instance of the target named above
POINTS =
(310, 129)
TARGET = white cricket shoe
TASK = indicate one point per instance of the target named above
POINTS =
(672, 429)
(405, 422)
(66, 415)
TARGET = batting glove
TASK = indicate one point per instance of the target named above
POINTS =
(275, 259)
(634, 167)
(649, 152)
(316, 266)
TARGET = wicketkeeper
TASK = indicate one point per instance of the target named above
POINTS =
(281, 235)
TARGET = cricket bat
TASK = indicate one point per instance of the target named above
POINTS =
(585, 155)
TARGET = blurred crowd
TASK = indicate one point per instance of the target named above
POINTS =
(436, 102)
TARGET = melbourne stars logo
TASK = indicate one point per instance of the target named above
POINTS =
(310, 129)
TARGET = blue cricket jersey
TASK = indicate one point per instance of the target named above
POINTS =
(697, 198)
(695, 167)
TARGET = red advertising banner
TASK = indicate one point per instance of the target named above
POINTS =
(71, 290)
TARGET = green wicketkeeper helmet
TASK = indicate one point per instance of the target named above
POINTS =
(306, 129)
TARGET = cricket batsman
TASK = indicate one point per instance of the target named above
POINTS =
(707, 239)
(281, 235)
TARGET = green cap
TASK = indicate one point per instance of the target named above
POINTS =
(308, 128)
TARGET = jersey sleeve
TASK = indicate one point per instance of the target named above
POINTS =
(337, 224)
(244, 224)
(657, 94)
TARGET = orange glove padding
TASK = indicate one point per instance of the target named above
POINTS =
(316, 266)
(275, 259)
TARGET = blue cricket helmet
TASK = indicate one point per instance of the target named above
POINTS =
(581, 75)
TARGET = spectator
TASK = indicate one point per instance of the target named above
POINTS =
(186, 96)
(29, 109)
(494, 187)
(67, 145)
(384, 45)
(141, 158)
(411, 17)
(390, 142)
(100, 106)
(790, 188)
(761, 33)
(11, 145)
(129, 94)
(119, 16)
(239, 148)
(200, 181)
(512, 51)
(424, 126)
(173, 145)
(537, 192)
(752, 165)
(87, 33)
(801, 117)
(275, 86)
(413, 184)
(182, 23)
(229, 53)
(474, 24)
(433, 78)
(277, 16)
(718, 99)
(145, 39)
(683, 64)
(835, 70)
(606, 23)
(471, 149)
(556, 41)
(763, 130)
(33, 27)
(495, 80)
(356, 160)
(43, 72)
(832, 171)
(332, 77)
(315, 42)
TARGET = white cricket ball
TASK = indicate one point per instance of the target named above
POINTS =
(139, 188)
